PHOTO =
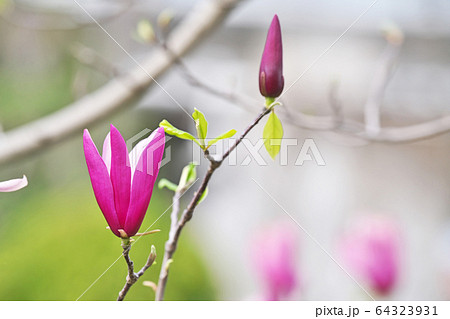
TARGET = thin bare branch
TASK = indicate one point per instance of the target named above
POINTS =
(133, 277)
(192, 79)
(170, 246)
(117, 93)
(371, 130)
(410, 133)
(384, 70)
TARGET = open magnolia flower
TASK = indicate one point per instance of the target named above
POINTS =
(122, 182)
(13, 184)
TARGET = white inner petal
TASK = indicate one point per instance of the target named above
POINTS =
(106, 154)
(136, 152)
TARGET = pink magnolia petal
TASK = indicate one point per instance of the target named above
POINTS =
(101, 182)
(120, 175)
(106, 154)
(13, 184)
(144, 178)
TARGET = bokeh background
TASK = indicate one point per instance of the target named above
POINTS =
(54, 241)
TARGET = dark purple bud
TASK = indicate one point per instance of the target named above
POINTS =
(271, 81)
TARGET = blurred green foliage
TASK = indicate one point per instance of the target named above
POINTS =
(24, 97)
(3, 5)
(56, 245)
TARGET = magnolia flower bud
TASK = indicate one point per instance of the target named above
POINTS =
(271, 81)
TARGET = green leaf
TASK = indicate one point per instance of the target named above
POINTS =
(202, 198)
(188, 176)
(201, 125)
(171, 130)
(228, 134)
(168, 184)
(272, 134)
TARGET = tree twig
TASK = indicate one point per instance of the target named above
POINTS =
(383, 73)
(170, 246)
(177, 225)
(193, 80)
(410, 133)
(371, 130)
(132, 277)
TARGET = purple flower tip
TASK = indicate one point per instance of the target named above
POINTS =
(271, 81)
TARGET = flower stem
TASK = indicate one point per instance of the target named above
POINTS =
(133, 277)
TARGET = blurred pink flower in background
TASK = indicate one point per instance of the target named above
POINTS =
(13, 184)
(274, 258)
(370, 248)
